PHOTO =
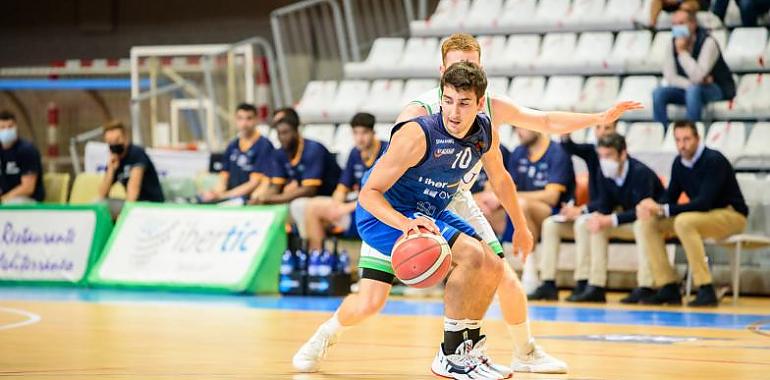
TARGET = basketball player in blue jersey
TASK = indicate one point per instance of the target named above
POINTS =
(409, 188)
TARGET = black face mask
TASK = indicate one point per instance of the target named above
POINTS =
(117, 148)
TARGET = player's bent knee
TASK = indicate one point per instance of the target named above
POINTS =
(467, 252)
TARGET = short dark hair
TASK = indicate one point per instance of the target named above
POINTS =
(614, 141)
(288, 113)
(363, 119)
(465, 76)
(288, 121)
(246, 107)
(687, 124)
(7, 115)
(112, 125)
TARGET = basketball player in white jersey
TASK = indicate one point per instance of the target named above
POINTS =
(528, 357)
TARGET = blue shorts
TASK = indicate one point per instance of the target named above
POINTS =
(381, 237)
(508, 233)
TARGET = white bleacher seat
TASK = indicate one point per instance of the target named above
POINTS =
(350, 95)
(766, 55)
(669, 143)
(384, 99)
(644, 137)
(508, 137)
(527, 91)
(415, 88)
(733, 15)
(562, 93)
(449, 17)
(591, 53)
(598, 94)
(270, 133)
(323, 133)
(617, 15)
(746, 48)
(549, 16)
(482, 16)
(316, 101)
(748, 101)
(653, 62)
(519, 53)
(555, 53)
(514, 12)
(631, 47)
(385, 51)
(621, 128)
(421, 58)
(579, 136)
(343, 143)
(583, 15)
(727, 137)
(638, 88)
(382, 131)
(497, 85)
(491, 46)
(757, 143)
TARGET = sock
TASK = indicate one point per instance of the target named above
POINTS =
(522, 337)
(455, 333)
(333, 325)
(473, 326)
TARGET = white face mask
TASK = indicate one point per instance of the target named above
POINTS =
(8, 136)
(609, 167)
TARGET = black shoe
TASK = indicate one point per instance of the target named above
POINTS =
(637, 295)
(580, 287)
(667, 295)
(591, 294)
(706, 297)
(545, 292)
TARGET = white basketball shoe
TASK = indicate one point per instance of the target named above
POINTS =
(462, 365)
(310, 355)
(537, 361)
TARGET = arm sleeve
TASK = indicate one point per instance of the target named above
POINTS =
(263, 160)
(226, 159)
(29, 162)
(560, 171)
(278, 174)
(314, 168)
(669, 71)
(347, 178)
(697, 70)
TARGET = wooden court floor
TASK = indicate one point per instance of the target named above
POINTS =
(130, 339)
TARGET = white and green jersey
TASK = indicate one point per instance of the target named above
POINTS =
(431, 101)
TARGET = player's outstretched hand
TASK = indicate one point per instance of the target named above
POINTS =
(523, 242)
(616, 111)
(413, 226)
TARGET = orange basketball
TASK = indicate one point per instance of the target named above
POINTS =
(421, 260)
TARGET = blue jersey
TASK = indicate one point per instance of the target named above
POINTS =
(552, 169)
(240, 165)
(312, 165)
(356, 166)
(429, 186)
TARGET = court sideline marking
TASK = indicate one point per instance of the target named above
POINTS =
(32, 318)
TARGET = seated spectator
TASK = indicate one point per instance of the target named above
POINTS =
(129, 165)
(338, 210)
(544, 178)
(694, 69)
(246, 161)
(669, 6)
(562, 226)
(750, 10)
(21, 171)
(716, 210)
(302, 168)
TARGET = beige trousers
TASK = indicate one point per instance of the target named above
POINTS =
(691, 228)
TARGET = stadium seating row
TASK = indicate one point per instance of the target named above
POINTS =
(590, 53)
(336, 102)
(531, 16)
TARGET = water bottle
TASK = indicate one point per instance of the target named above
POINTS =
(301, 261)
(343, 262)
(287, 263)
(314, 263)
(325, 264)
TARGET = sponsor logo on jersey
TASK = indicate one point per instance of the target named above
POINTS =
(444, 141)
(443, 152)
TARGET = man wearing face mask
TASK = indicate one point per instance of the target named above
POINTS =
(21, 171)
(562, 226)
(624, 183)
(716, 210)
(694, 69)
(246, 161)
(129, 165)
